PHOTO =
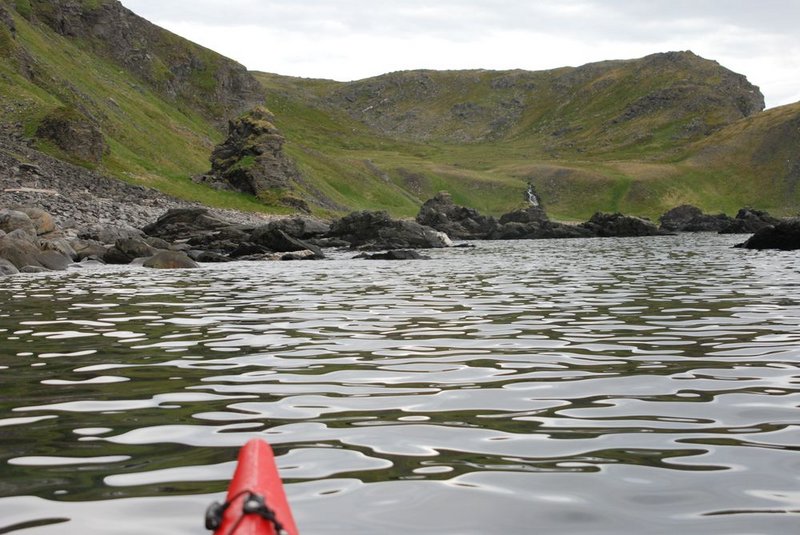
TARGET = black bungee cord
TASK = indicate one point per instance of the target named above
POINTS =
(253, 504)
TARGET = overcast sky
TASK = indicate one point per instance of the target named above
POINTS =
(353, 39)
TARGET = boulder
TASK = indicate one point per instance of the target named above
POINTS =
(619, 225)
(42, 221)
(126, 250)
(275, 239)
(222, 241)
(748, 221)
(376, 230)
(11, 220)
(185, 223)
(688, 218)
(7, 268)
(60, 245)
(785, 235)
(170, 260)
(22, 253)
(109, 234)
(207, 256)
(458, 222)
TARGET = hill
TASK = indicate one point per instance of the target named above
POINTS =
(90, 82)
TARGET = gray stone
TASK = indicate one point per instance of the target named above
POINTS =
(170, 260)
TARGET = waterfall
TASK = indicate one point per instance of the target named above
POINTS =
(533, 199)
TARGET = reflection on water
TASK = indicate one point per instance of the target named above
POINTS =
(584, 386)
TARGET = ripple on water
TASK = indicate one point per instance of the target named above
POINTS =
(576, 386)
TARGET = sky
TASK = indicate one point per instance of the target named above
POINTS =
(353, 39)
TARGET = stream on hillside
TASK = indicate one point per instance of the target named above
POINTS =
(641, 385)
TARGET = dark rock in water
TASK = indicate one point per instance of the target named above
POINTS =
(688, 218)
(458, 222)
(395, 254)
(249, 249)
(7, 268)
(275, 239)
(170, 260)
(785, 235)
(53, 260)
(748, 221)
(184, 223)
(376, 230)
(619, 225)
(533, 224)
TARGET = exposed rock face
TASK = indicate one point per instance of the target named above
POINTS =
(533, 224)
(748, 221)
(458, 222)
(185, 223)
(619, 225)
(170, 64)
(785, 235)
(251, 160)
(73, 133)
(376, 230)
(688, 218)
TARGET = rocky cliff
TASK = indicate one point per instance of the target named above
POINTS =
(175, 67)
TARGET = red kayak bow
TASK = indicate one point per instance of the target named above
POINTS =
(256, 503)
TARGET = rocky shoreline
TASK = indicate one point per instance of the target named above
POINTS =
(53, 214)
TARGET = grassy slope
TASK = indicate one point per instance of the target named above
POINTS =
(570, 147)
(153, 142)
(563, 133)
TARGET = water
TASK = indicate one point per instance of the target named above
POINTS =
(586, 386)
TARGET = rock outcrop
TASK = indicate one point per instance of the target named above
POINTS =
(376, 230)
(173, 66)
(74, 133)
(458, 222)
(784, 235)
(619, 225)
(251, 160)
(688, 218)
(748, 221)
(532, 223)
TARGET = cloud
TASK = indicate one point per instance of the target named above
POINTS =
(351, 39)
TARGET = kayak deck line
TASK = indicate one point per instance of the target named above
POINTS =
(256, 502)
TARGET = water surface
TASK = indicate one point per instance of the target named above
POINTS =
(641, 385)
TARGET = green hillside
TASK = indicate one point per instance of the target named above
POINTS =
(639, 136)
